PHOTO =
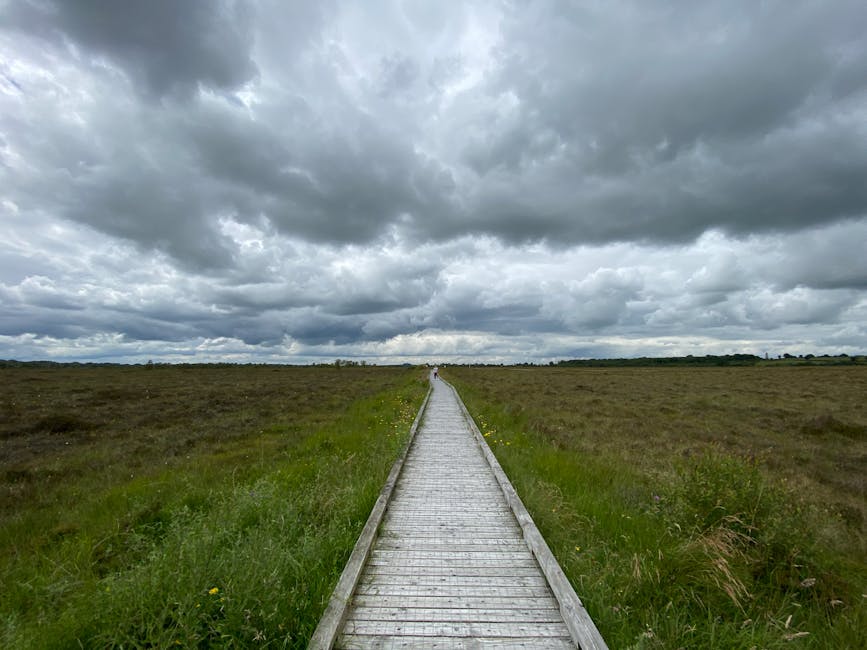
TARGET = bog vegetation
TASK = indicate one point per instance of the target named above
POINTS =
(173, 506)
(181, 506)
(693, 507)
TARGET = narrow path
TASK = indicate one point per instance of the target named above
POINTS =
(450, 567)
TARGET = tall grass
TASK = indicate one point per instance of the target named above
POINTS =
(236, 541)
(685, 527)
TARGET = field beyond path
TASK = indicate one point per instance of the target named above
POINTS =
(187, 506)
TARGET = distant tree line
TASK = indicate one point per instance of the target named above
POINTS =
(688, 360)
(717, 360)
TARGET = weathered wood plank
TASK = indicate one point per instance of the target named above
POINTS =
(458, 629)
(451, 591)
(417, 544)
(464, 602)
(456, 543)
(482, 553)
(502, 528)
(490, 571)
(451, 562)
(352, 642)
(455, 614)
(460, 580)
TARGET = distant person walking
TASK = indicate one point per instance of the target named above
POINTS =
(436, 372)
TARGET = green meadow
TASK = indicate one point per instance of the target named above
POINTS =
(215, 506)
(174, 506)
(693, 507)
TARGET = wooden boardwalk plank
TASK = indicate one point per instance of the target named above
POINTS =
(451, 566)
(456, 614)
(351, 642)
(490, 545)
(454, 591)
(455, 580)
(489, 571)
(462, 602)
(470, 629)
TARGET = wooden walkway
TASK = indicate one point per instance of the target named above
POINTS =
(456, 561)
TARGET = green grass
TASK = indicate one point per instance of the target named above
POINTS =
(187, 506)
(693, 507)
(215, 506)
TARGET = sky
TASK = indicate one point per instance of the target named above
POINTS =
(424, 181)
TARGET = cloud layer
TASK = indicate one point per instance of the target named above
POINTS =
(493, 181)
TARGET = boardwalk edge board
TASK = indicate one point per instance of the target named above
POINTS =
(581, 627)
(335, 613)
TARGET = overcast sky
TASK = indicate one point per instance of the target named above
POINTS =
(431, 181)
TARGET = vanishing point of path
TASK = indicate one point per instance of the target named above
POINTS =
(450, 566)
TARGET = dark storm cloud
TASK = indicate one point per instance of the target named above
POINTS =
(164, 178)
(591, 124)
(166, 47)
(663, 121)
(666, 120)
(498, 178)
(150, 207)
(309, 177)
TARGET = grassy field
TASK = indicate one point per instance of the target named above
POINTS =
(693, 507)
(176, 506)
(181, 506)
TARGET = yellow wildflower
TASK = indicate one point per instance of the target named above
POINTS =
(214, 591)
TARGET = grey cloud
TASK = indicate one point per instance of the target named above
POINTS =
(677, 73)
(399, 73)
(169, 48)
(262, 297)
(786, 182)
(600, 300)
(669, 120)
(324, 182)
(152, 208)
(718, 277)
(312, 327)
(825, 260)
(332, 178)
(360, 286)
(765, 309)
(566, 147)
(444, 70)
(39, 291)
(120, 173)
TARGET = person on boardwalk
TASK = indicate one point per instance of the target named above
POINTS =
(436, 372)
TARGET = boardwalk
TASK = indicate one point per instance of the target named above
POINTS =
(450, 566)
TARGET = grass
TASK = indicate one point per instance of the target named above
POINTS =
(211, 506)
(693, 507)
(175, 506)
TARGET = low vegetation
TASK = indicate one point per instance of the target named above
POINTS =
(183, 506)
(693, 507)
